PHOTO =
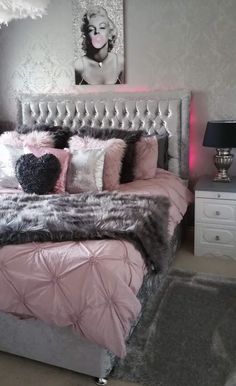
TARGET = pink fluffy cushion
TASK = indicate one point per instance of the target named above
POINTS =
(62, 155)
(38, 139)
(11, 138)
(34, 138)
(114, 152)
(146, 158)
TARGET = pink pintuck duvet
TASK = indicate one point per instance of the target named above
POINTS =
(90, 285)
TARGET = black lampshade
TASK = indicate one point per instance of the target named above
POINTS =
(220, 134)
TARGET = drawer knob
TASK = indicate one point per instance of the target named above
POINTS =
(218, 195)
(217, 238)
(217, 213)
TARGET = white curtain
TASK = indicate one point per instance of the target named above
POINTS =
(19, 9)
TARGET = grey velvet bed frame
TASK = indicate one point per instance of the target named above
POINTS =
(154, 111)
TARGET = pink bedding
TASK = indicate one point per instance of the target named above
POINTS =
(90, 285)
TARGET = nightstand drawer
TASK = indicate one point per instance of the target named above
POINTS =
(215, 241)
(218, 236)
(215, 195)
(209, 211)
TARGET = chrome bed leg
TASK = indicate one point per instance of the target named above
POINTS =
(101, 381)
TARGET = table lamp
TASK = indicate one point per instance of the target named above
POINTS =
(222, 136)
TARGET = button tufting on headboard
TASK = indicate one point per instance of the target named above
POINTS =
(155, 112)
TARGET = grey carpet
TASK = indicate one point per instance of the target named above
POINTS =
(187, 335)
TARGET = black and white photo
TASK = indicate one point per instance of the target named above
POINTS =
(98, 33)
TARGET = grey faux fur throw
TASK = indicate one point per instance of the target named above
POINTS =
(140, 219)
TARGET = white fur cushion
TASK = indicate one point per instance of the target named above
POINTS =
(8, 157)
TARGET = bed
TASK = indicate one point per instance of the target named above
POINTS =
(41, 336)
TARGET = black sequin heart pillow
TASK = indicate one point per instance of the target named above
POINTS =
(37, 175)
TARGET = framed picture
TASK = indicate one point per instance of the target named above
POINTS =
(98, 29)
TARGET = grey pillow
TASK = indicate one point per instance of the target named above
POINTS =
(163, 157)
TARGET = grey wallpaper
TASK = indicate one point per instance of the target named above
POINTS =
(169, 44)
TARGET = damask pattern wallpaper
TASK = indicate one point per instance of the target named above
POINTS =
(169, 45)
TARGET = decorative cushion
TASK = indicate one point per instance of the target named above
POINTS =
(64, 158)
(146, 158)
(8, 157)
(11, 138)
(59, 134)
(129, 136)
(34, 138)
(38, 139)
(85, 170)
(163, 158)
(114, 152)
(37, 175)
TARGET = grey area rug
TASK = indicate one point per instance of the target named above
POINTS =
(187, 335)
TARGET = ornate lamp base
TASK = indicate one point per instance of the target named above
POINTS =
(223, 160)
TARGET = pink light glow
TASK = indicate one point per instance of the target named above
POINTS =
(192, 144)
(98, 89)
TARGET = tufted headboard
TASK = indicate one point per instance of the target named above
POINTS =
(156, 112)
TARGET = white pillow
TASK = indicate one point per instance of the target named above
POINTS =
(8, 157)
(85, 172)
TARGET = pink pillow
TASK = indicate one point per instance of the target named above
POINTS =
(34, 138)
(146, 158)
(114, 151)
(38, 139)
(62, 155)
(11, 138)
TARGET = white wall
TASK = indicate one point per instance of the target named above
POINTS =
(169, 44)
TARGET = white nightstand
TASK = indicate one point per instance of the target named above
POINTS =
(215, 218)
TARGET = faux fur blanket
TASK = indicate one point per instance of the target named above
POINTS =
(141, 220)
